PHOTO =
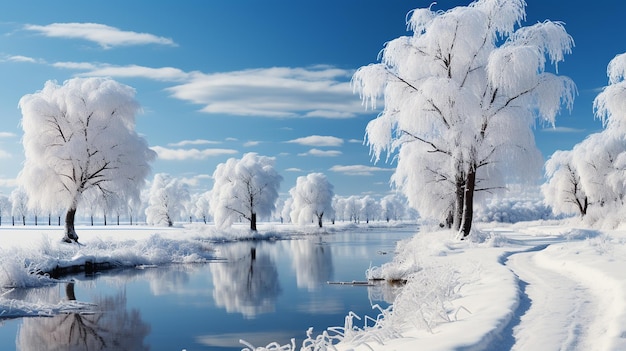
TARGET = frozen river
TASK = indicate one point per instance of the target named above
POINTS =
(259, 291)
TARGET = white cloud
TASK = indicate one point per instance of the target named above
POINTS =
(280, 92)
(321, 153)
(293, 169)
(251, 143)
(20, 58)
(318, 140)
(187, 154)
(167, 74)
(103, 35)
(356, 141)
(562, 130)
(359, 170)
(8, 182)
(4, 154)
(193, 142)
(7, 135)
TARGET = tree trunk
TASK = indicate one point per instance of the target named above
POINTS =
(468, 202)
(582, 207)
(253, 222)
(457, 216)
(70, 232)
(319, 219)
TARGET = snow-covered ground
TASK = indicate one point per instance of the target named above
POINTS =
(545, 285)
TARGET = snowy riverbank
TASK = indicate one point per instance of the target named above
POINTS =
(530, 285)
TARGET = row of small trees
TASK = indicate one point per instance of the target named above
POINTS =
(168, 200)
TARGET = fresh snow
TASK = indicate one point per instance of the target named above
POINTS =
(531, 285)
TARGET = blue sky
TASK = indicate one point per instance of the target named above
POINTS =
(217, 79)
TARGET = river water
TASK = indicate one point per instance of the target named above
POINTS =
(258, 291)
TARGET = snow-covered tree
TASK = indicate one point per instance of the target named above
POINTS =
(312, 199)
(203, 207)
(19, 203)
(5, 206)
(589, 179)
(563, 191)
(353, 208)
(244, 188)
(370, 208)
(460, 97)
(80, 138)
(167, 200)
(393, 207)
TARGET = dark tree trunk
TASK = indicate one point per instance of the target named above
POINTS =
(319, 219)
(23, 220)
(253, 222)
(105, 219)
(468, 202)
(582, 207)
(118, 219)
(70, 232)
(458, 205)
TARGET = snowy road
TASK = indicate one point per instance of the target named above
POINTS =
(557, 313)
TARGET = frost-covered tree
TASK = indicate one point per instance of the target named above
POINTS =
(460, 97)
(80, 138)
(167, 200)
(597, 164)
(244, 188)
(563, 191)
(5, 206)
(393, 207)
(353, 208)
(312, 199)
(19, 204)
(370, 208)
(202, 207)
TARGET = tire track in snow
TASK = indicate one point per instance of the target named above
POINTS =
(556, 309)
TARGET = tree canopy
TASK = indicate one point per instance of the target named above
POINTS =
(312, 199)
(461, 95)
(244, 188)
(80, 138)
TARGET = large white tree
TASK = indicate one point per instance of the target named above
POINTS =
(460, 97)
(166, 201)
(244, 188)
(80, 137)
(312, 199)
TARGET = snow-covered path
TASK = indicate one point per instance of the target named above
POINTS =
(530, 286)
(555, 312)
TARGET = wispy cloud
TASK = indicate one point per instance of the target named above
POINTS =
(359, 170)
(562, 130)
(105, 36)
(293, 169)
(5, 154)
(279, 92)
(318, 140)
(166, 74)
(251, 143)
(321, 153)
(184, 143)
(190, 154)
(20, 58)
(356, 141)
(7, 135)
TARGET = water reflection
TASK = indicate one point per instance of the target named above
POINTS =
(111, 327)
(247, 282)
(312, 261)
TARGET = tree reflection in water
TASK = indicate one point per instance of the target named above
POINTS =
(111, 327)
(312, 261)
(247, 282)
